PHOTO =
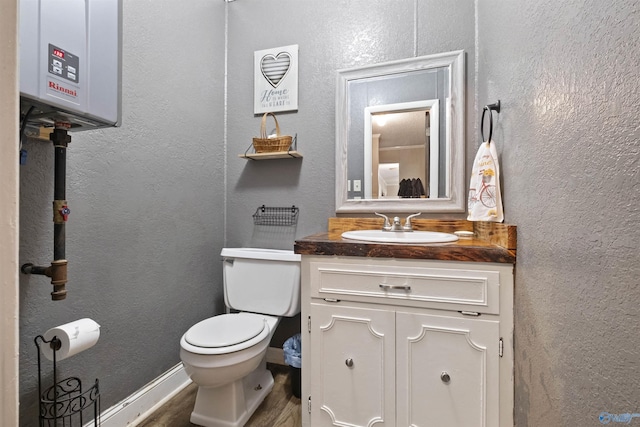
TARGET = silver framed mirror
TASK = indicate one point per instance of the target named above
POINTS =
(400, 136)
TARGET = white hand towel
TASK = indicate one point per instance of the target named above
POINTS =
(485, 201)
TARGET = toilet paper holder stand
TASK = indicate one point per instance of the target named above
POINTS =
(64, 400)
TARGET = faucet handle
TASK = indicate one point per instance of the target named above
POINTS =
(407, 222)
(387, 223)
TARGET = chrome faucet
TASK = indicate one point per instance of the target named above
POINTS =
(397, 225)
(387, 224)
(407, 222)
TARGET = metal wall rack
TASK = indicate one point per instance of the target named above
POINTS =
(276, 215)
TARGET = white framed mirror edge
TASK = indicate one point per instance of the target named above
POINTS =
(456, 202)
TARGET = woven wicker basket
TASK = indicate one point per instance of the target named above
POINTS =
(270, 145)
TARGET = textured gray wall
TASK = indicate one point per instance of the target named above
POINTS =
(146, 223)
(331, 35)
(567, 76)
(147, 199)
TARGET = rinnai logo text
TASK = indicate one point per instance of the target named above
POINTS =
(59, 88)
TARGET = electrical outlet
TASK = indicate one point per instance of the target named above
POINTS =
(356, 185)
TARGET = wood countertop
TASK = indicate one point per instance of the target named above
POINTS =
(492, 242)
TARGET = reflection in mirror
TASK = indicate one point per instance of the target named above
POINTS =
(421, 102)
(387, 181)
(405, 134)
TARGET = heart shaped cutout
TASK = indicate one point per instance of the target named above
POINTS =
(275, 67)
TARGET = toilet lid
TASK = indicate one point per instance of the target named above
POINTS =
(224, 330)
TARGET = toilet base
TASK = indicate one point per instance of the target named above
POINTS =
(232, 405)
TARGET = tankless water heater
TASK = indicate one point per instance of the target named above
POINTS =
(70, 62)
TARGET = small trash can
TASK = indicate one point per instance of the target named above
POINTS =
(292, 352)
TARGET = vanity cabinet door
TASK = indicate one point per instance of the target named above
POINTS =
(352, 366)
(447, 371)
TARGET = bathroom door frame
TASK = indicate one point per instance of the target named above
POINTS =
(9, 219)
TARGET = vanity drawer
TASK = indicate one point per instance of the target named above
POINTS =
(442, 288)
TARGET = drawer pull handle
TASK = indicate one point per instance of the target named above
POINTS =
(395, 287)
(445, 377)
(349, 362)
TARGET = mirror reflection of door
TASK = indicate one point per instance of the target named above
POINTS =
(388, 180)
(403, 138)
(407, 135)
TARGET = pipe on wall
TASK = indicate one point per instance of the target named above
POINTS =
(57, 271)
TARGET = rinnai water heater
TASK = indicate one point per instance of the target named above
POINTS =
(70, 62)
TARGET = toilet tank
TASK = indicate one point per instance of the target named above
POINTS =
(263, 281)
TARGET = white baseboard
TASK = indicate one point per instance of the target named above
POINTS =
(141, 404)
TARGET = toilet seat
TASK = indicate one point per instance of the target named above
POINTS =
(225, 333)
(224, 330)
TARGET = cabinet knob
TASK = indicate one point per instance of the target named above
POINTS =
(349, 362)
(445, 377)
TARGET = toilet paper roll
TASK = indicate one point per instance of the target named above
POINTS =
(74, 337)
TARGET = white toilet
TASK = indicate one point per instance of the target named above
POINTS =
(225, 355)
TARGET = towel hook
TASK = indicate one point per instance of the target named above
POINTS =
(489, 107)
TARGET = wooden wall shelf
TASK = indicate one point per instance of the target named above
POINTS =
(273, 155)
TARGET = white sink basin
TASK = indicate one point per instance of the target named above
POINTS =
(400, 236)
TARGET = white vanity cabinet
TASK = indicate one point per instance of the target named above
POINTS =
(406, 342)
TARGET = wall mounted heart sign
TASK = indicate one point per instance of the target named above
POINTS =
(275, 67)
(276, 79)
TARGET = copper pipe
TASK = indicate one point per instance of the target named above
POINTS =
(57, 271)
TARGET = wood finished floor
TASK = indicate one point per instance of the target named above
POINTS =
(279, 409)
